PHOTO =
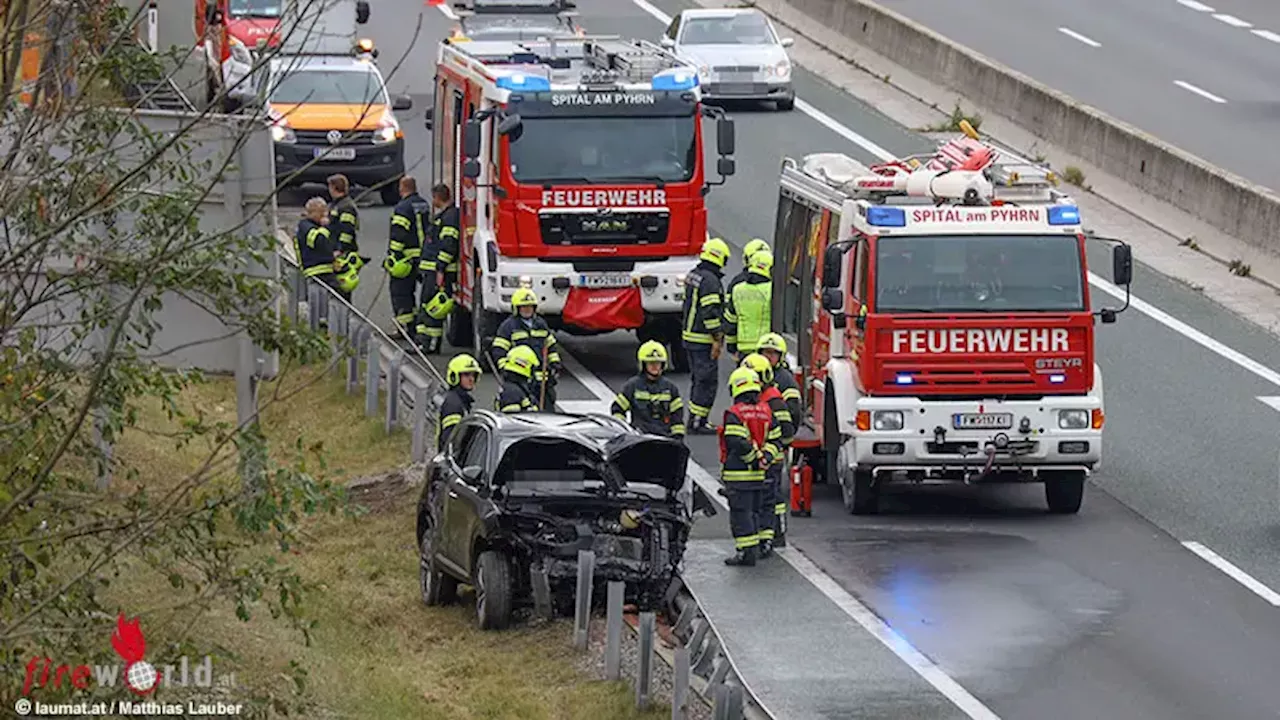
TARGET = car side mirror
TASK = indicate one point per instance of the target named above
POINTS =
(402, 102)
(667, 42)
(787, 42)
(832, 299)
(832, 260)
(472, 474)
(471, 139)
(362, 12)
(1121, 264)
(725, 142)
(428, 121)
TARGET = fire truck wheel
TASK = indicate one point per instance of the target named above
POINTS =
(389, 193)
(861, 496)
(457, 327)
(1064, 491)
(830, 438)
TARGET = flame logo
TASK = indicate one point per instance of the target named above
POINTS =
(128, 640)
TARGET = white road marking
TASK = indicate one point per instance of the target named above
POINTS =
(1202, 93)
(1234, 572)
(1272, 400)
(1267, 35)
(1077, 36)
(1197, 6)
(1232, 20)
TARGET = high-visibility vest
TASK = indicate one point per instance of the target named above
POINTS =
(752, 304)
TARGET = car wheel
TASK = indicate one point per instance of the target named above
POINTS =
(1064, 491)
(786, 105)
(389, 193)
(437, 587)
(493, 591)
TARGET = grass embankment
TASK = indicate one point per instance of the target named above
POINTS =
(376, 650)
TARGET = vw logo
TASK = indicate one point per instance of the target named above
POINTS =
(604, 211)
(334, 137)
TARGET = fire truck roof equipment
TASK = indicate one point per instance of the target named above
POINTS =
(571, 64)
(562, 8)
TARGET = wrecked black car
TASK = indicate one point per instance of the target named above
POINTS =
(511, 499)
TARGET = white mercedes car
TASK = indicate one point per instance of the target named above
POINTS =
(738, 54)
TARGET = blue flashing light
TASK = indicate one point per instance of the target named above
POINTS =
(517, 82)
(1064, 215)
(904, 379)
(1055, 379)
(675, 79)
(886, 217)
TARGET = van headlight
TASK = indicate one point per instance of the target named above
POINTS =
(1073, 419)
(388, 133)
(283, 134)
(886, 420)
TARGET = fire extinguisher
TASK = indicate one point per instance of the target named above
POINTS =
(802, 488)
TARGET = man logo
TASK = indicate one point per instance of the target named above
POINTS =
(334, 137)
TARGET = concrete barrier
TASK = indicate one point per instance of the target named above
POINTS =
(1215, 196)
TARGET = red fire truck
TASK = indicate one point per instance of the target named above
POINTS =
(580, 163)
(939, 310)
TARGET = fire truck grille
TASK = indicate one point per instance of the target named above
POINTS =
(613, 228)
(1004, 376)
(321, 137)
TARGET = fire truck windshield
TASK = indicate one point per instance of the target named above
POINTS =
(979, 273)
(605, 149)
(255, 8)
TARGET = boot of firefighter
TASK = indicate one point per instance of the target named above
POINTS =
(765, 549)
(745, 557)
(700, 426)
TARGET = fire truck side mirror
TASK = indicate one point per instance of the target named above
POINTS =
(832, 299)
(471, 169)
(471, 139)
(362, 12)
(511, 125)
(1121, 265)
(726, 166)
(724, 138)
(832, 259)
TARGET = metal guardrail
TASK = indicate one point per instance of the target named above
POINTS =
(413, 388)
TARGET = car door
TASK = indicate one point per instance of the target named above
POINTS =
(463, 500)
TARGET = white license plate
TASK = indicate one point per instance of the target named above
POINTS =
(982, 421)
(605, 280)
(336, 153)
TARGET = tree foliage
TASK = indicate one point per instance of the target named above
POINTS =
(100, 237)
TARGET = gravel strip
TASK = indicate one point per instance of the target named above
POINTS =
(593, 663)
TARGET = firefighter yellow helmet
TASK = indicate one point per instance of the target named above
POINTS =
(652, 351)
(398, 268)
(761, 263)
(753, 246)
(715, 251)
(761, 365)
(459, 366)
(348, 279)
(521, 361)
(743, 380)
(522, 297)
(439, 307)
(772, 341)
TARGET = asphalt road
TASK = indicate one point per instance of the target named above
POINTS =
(1200, 75)
(1101, 615)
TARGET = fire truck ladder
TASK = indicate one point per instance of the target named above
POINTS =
(588, 60)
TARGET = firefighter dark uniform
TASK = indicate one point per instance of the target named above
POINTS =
(753, 246)
(408, 232)
(441, 255)
(531, 332)
(748, 444)
(314, 248)
(702, 330)
(344, 224)
(768, 523)
(748, 312)
(457, 400)
(652, 400)
(516, 394)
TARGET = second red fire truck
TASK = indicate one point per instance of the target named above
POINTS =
(581, 175)
(939, 310)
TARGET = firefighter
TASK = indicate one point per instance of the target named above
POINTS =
(517, 375)
(753, 246)
(408, 231)
(439, 269)
(344, 223)
(653, 401)
(748, 437)
(702, 331)
(461, 374)
(748, 310)
(768, 523)
(313, 244)
(526, 329)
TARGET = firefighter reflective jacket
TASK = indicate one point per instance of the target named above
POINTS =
(314, 248)
(782, 414)
(749, 440)
(748, 312)
(515, 396)
(703, 305)
(408, 228)
(344, 223)
(457, 403)
(654, 403)
(786, 382)
(535, 333)
(445, 237)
